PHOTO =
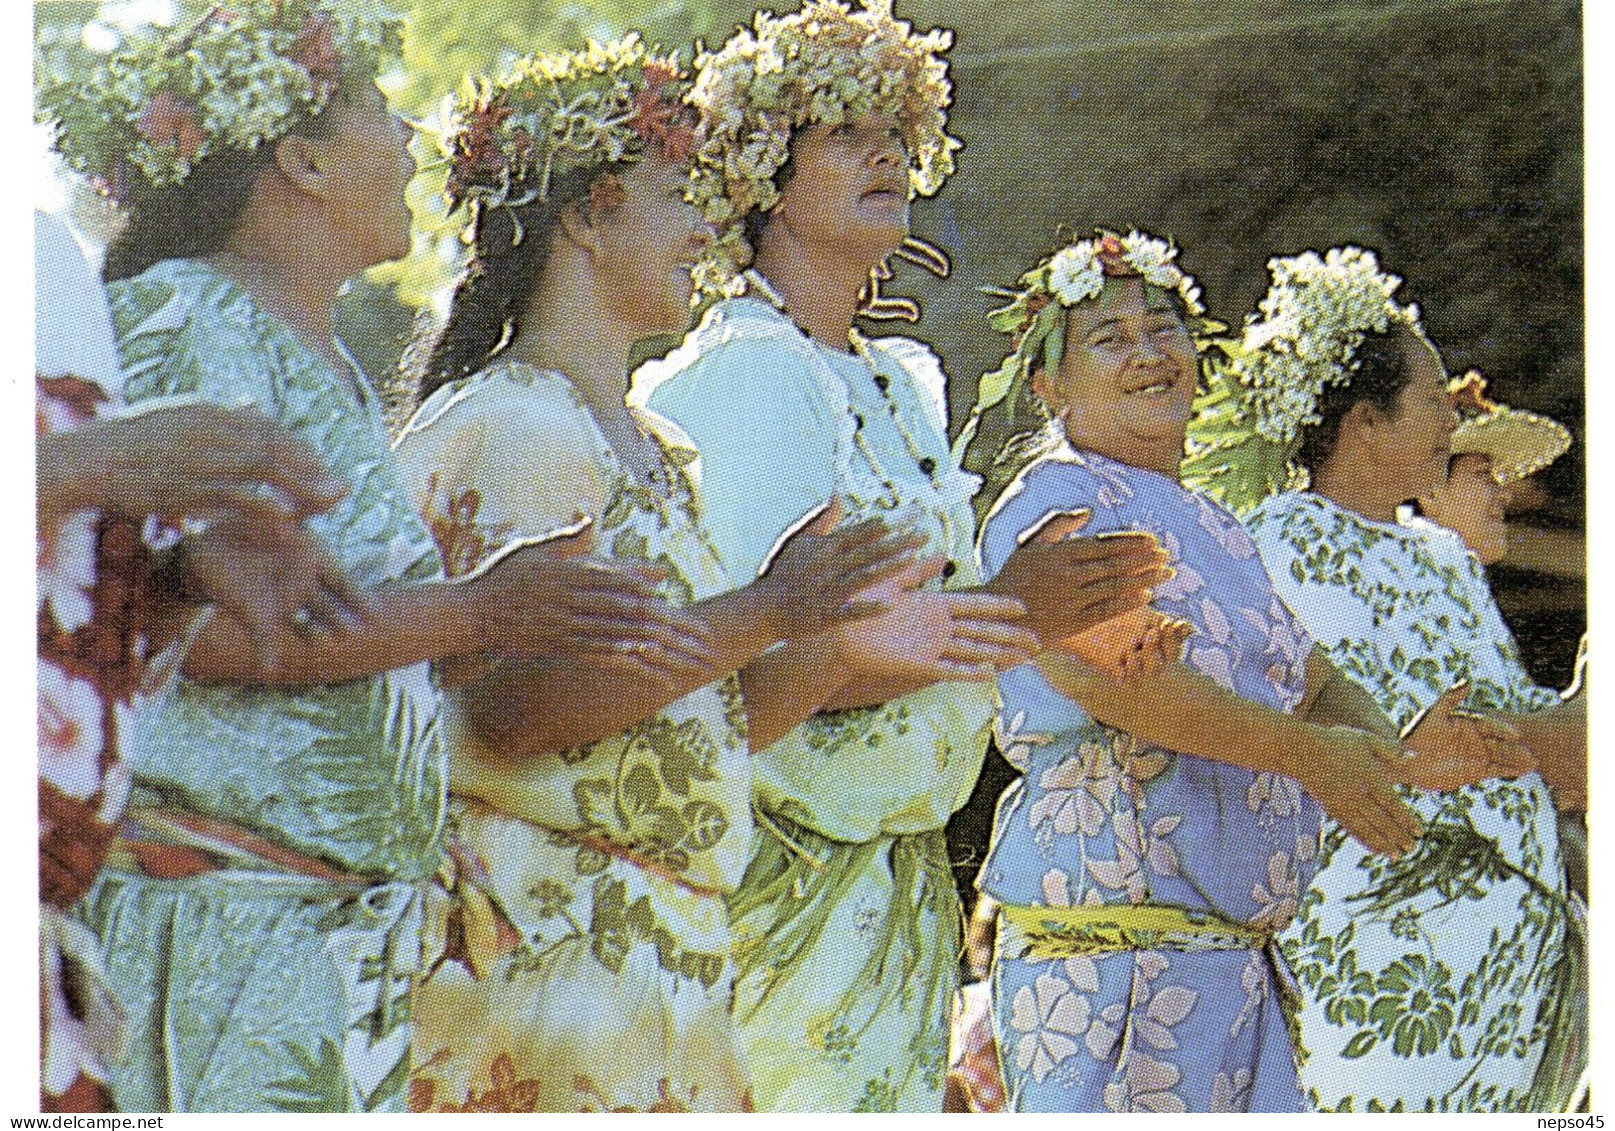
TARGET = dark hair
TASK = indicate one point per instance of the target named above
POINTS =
(756, 221)
(199, 215)
(509, 247)
(1384, 368)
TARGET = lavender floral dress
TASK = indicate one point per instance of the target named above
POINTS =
(1102, 818)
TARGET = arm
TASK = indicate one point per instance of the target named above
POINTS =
(1343, 768)
(1333, 699)
(1557, 735)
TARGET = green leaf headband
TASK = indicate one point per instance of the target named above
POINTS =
(1035, 319)
(246, 73)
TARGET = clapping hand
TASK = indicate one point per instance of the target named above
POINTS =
(821, 574)
(1134, 645)
(1351, 777)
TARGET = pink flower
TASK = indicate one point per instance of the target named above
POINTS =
(70, 732)
(1052, 1019)
(167, 120)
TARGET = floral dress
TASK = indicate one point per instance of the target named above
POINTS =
(260, 913)
(94, 669)
(578, 950)
(1103, 819)
(847, 922)
(1435, 983)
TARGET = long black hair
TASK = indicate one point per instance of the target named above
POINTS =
(198, 216)
(509, 248)
(1384, 368)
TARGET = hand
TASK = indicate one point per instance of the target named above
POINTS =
(1070, 584)
(1448, 747)
(1135, 645)
(194, 460)
(927, 637)
(549, 599)
(274, 577)
(817, 572)
(1348, 776)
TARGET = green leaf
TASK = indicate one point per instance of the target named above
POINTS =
(591, 861)
(1360, 1045)
(706, 823)
(391, 1085)
(321, 1084)
(641, 790)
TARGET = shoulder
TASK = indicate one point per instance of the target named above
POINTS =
(506, 404)
(921, 363)
(732, 338)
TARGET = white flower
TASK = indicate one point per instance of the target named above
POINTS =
(66, 571)
(70, 732)
(1074, 276)
(1052, 1018)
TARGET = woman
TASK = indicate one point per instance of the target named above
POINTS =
(259, 917)
(1164, 828)
(847, 920)
(114, 615)
(580, 957)
(1441, 981)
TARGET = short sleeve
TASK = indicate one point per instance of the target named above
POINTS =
(1049, 485)
(183, 341)
(506, 454)
(766, 432)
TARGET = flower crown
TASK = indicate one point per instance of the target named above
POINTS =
(246, 73)
(1313, 319)
(557, 111)
(1246, 431)
(1034, 316)
(829, 64)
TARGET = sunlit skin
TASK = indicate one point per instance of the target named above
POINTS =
(1384, 458)
(1126, 384)
(1474, 504)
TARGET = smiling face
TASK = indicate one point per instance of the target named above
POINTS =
(849, 188)
(1473, 503)
(1126, 384)
(649, 240)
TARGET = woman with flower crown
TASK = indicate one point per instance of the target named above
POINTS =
(1442, 981)
(579, 957)
(1165, 826)
(821, 124)
(260, 911)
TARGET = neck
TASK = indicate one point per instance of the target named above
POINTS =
(290, 270)
(820, 287)
(1357, 487)
(568, 296)
(1163, 456)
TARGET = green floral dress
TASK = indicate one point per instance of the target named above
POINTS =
(578, 947)
(1442, 982)
(261, 917)
(847, 922)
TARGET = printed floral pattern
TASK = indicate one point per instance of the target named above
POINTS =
(582, 909)
(1431, 982)
(1101, 817)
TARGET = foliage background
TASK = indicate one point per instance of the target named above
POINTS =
(1445, 133)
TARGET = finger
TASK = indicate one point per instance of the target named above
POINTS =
(875, 573)
(322, 614)
(854, 611)
(358, 606)
(978, 605)
(1000, 633)
(628, 635)
(822, 520)
(1056, 526)
(972, 652)
(789, 535)
(923, 570)
(292, 465)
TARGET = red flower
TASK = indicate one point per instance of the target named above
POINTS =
(1112, 257)
(316, 53)
(167, 119)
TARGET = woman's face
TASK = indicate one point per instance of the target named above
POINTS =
(849, 188)
(648, 243)
(1473, 503)
(1413, 443)
(370, 166)
(1126, 384)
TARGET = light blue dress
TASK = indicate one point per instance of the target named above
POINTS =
(1103, 818)
(846, 924)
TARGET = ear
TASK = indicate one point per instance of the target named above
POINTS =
(304, 163)
(1362, 422)
(578, 228)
